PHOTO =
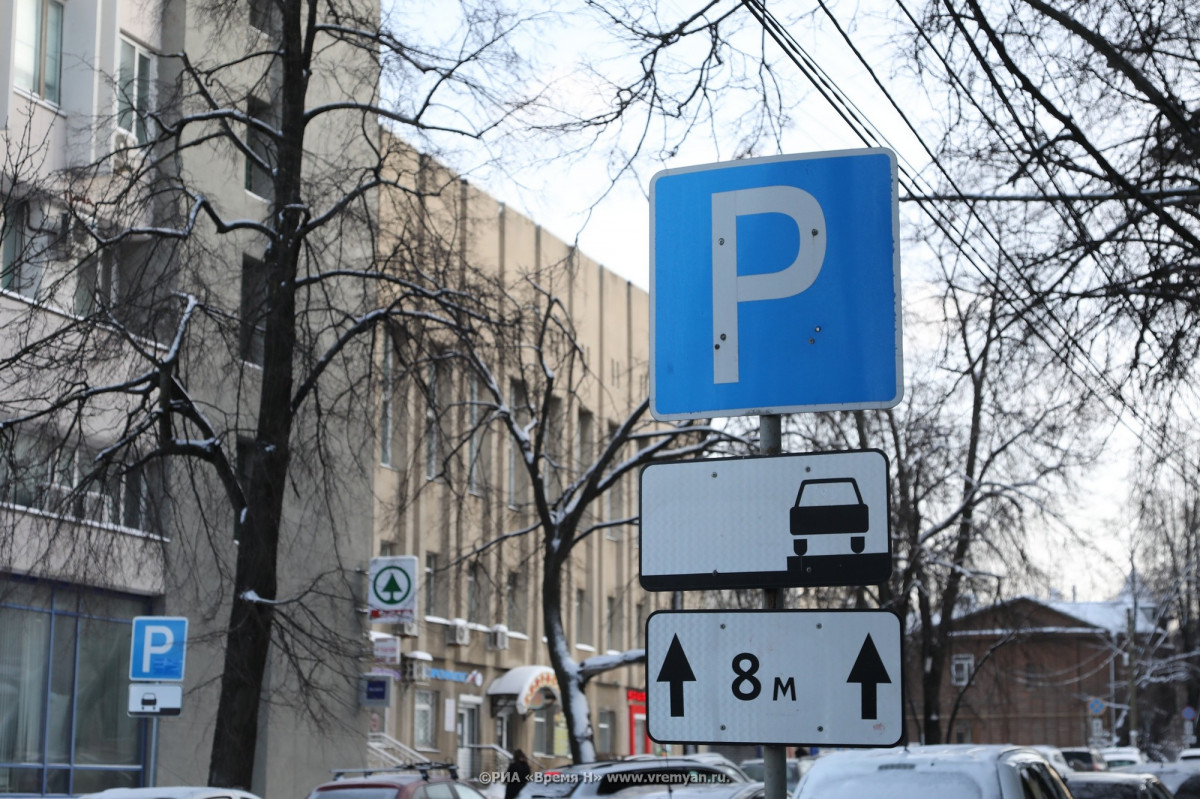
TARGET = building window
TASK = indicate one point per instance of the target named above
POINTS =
(96, 285)
(64, 657)
(614, 498)
(37, 54)
(475, 443)
(433, 434)
(20, 249)
(260, 140)
(543, 729)
(133, 91)
(518, 475)
(583, 618)
(613, 629)
(264, 16)
(514, 602)
(435, 590)
(640, 621)
(585, 437)
(961, 668)
(67, 482)
(606, 722)
(253, 325)
(386, 422)
(476, 597)
(425, 719)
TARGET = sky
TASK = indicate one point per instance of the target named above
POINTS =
(576, 200)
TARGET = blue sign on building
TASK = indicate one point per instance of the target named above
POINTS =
(775, 286)
(159, 648)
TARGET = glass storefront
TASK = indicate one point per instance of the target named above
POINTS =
(64, 684)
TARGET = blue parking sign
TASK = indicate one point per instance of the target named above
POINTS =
(775, 286)
(159, 648)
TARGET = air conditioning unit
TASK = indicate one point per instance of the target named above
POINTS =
(458, 633)
(124, 150)
(414, 670)
(408, 629)
(498, 637)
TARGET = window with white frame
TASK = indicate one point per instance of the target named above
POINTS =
(96, 284)
(37, 48)
(606, 723)
(425, 719)
(961, 668)
(23, 246)
(69, 482)
(133, 91)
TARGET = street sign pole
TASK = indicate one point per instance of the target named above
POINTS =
(770, 440)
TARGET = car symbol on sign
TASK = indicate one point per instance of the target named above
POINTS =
(823, 518)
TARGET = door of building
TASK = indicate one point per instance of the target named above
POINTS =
(467, 731)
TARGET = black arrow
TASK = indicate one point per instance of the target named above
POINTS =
(869, 671)
(676, 670)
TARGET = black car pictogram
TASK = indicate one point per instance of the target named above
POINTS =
(829, 519)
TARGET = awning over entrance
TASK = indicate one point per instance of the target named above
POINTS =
(531, 685)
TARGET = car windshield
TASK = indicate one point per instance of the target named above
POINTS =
(754, 771)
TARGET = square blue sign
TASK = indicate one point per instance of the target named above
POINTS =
(775, 286)
(159, 648)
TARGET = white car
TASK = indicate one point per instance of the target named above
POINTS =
(1117, 756)
(932, 772)
(172, 792)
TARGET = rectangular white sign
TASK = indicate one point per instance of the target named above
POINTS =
(794, 677)
(392, 589)
(779, 521)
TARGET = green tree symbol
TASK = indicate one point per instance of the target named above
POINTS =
(391, 587)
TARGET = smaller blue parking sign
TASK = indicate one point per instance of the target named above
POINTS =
(159, 649)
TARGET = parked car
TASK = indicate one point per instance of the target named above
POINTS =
(1117, 756)
(796, 768)
(1056, 758)
(171, 792)
(1116, 785)
(1173, 775)
(711, 758)
(638, 774)
(416, 781)
(729, 790)
(1190, 754)
(933, 772)
(1187, 788)
(1084, 758)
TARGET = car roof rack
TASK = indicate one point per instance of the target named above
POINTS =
(423, 767)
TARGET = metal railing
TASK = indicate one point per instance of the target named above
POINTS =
(384, 751)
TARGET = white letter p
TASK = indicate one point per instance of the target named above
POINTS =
(729, 288)
(150, 632)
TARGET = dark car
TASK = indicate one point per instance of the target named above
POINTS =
(1082, 758)
(418, 781)
(1116, 785)
(636, 775)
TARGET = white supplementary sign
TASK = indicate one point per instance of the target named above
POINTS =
(158, 649)
(155, 699)
(392, 589)
(786, 520)
(792, 300)
(822, 678)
